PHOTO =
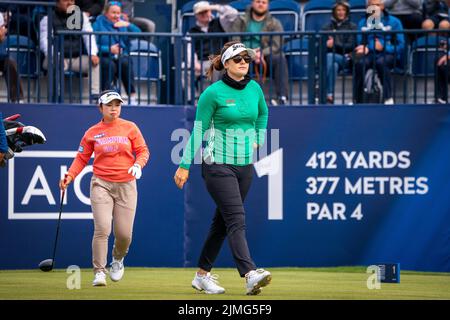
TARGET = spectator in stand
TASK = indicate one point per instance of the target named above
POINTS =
(9, 67)
(114, 50)
(443, 77)
(74, 57)
(204, 47)
(92, 8)
(146, 25)
(409, 12)
(378, 50)
(436, 14)
(340, 46)
(256, 19)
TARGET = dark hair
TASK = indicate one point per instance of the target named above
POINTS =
(215, 60)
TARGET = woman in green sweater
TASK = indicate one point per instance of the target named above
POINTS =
(234, 112)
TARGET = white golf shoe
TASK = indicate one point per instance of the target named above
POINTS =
(256, 279)
(207, 283)
(99, 280)
(117, 270)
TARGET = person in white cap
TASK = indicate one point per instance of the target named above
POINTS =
(9, 67)
(203, 47)
(234, 111)
(120, 154)
(269, 53)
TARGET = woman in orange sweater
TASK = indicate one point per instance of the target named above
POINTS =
(120, 154)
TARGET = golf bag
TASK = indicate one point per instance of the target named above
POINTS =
(19, 136)
(373, 89)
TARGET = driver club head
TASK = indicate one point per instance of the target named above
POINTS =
(46, 265)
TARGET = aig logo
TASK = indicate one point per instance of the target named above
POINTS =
(33, 191)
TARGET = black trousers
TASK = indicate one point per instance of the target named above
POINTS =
(228, 185)
(9, 68)
(110, 71)
(443, 79)
(383, 64)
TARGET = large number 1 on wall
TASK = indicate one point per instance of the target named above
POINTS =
(272, 166)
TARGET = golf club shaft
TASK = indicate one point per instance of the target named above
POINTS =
(59, 222)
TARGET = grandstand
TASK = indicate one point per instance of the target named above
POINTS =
(340, 186)
(157, 57)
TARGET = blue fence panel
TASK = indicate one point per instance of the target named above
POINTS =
(380, 225)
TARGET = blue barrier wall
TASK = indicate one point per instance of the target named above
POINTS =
(404, 150)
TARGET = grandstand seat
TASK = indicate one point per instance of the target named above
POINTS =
(296, 52)
(240, 5)
(287, 11)
(24, 52)
(317, 13)
(146, 59)
(424, 53)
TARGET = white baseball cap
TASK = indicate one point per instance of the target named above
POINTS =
(201, 6)
(109, 96)
(234, 50)
(2, 20)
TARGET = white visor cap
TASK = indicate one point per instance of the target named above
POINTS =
(109, 96)
(236, 49)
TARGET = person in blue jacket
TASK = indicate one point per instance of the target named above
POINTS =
(114, 50)
(381, 50)
(3, 142)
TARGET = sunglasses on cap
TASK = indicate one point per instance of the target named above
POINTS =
(115, 3)
(238, 59)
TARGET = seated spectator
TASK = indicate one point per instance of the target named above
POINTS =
(9, 67)
(114, 50)
(409, 12)
(92, 8)
(378, 50)
(19, 18)
(204, 47)
(436, 14)
(78, 58)
(339, 46)
(146, 25)
(443, 77)
(256, 19)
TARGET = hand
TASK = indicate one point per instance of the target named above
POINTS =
(115, 49)
(214, 7)
(95, 60)
(197, 68)
(63, 183)
(257, 59)
(255, 145)
(378, 45)
(330, 42)
(121, 23)
(443, 60)
(361, 50)
(181, 176)
(3, 32)
(135, 171)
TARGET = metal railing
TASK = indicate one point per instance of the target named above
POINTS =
(161, 68)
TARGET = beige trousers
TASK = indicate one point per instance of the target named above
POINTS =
(112, 201)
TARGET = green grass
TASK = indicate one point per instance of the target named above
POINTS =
(174, 284)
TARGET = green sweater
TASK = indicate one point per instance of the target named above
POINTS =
(236, 119)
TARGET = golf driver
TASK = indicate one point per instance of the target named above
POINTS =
(47, 265)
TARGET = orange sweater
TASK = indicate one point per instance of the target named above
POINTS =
(113, 144)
